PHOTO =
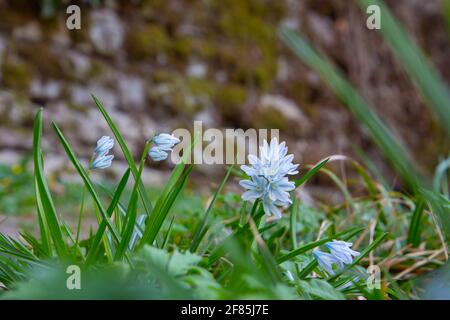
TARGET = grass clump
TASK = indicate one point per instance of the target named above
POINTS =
(170, 246)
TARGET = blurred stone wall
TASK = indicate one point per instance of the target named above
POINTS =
(159, 65)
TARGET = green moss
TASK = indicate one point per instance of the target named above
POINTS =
(200, 87)
(16, 76)
(250, 50)
(11, 19)
(47, 63)
(180, 48)
(96, 71)
(163, 75)
(146, 42)
(182, 96)
(230, 100)
(269, 119)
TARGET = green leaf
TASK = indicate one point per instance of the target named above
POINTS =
(199, 231)
(101, 229)
(45, 206)
(165, 201)
(176, 263)
(386, 141)
(87, 181)
(415, 223)
(320, 289)
(312, 172)
(130, 217)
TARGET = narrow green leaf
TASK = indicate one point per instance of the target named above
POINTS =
(199, 231)
(130, 217)
(101, 229)
(164, 202)
(416, 64)
(45, 206)
(43, 226)
(293, 222)
(87, 181)
(415, 224)
(386, 141)
(312, 172)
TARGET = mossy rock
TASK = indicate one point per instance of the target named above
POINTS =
(11, 19)
(163, 75)
(47, 63)
(269, 119)
(16, 76)
(230, 100)
(249, 48)
(180, 48)
(181, 96)
(145, 42)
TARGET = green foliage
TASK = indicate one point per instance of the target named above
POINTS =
(229, 251)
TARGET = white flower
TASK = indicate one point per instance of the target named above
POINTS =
(327, 261)
(272, 193)
(102, 160)
(341, 251)
(340, 255)
(165, 141)
(268, 180)
(104, 144)
(157, 154)
(162, 143)
(273, 162)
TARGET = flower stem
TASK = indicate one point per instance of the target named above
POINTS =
(80, 216)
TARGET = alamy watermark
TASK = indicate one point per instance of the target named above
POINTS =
(219, 146)
(374, 279)
(73, 21)
(73, 281)
(374, 19)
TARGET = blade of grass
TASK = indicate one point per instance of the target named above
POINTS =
(293, 222)
(159, 212)
(267, 260)
(130, 217)
(87, 181)
(169, 231)
(199, 230)
(121, 211)
(312, 172)
(45, 204)
(415, 224)
(382, 136)
(114, 202)
(446, 12)
(415, 63)
(43, 226)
